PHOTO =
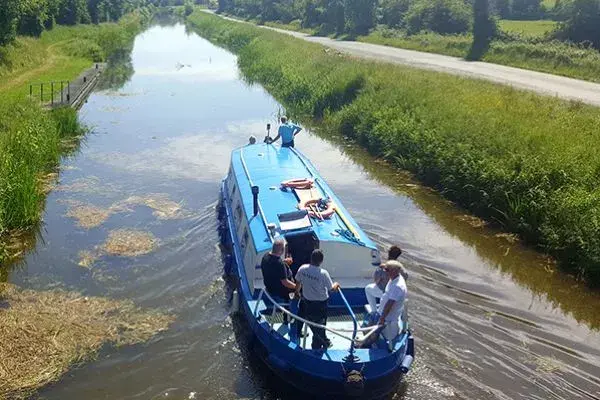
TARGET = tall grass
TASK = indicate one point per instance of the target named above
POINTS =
(525, 161)
(30, 138)
(29, 145)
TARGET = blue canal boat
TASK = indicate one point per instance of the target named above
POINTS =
(255, 209)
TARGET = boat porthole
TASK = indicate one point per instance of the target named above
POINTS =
(334, 233)
(261, 154)
(273, 188)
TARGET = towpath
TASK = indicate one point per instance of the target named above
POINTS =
(539, 82)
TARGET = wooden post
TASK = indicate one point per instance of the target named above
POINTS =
(52, 93)
(62, 89)
(42, 92)
(30, 90)
(69, 92)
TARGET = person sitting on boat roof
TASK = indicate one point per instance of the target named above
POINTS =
(375, 290)
(392, 302)
(287, 132)
(316, 285)
(277, 275)
(252, 139)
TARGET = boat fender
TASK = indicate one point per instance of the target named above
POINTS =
(354, 384)
(300, 183)
(406, 364)
(235, 302)
(228, 265)
(410, 355)
(278, 362)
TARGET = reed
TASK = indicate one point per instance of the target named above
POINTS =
(524, 161)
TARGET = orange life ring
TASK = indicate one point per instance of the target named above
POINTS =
(325, 214)
(301, 183)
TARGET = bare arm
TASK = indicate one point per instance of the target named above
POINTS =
(335, 287)
(273, 140)
(288, 284)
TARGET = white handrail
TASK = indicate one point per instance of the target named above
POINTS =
(369, 329)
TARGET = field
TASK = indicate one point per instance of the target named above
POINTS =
(31, 140)
(527, 28)
(526, 162)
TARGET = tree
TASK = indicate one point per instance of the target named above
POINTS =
(501, 8)
(526, 9)
(393, 12)
(484, 29)
(360, 16)
(9, 13)
(442, 16)
(71, 12)
(582, 22)
(32, 17)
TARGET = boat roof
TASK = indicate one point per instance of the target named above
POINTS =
(266, 166)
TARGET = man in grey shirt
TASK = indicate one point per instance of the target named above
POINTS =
(316, 285)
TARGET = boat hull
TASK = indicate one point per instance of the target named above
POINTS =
(318, 377)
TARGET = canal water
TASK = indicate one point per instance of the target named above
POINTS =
(492, 319)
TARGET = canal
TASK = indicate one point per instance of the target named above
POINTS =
(492, 319)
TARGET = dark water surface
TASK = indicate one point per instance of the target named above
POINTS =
(492, 320)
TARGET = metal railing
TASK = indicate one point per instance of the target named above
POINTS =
(339, 332)
(54, 89)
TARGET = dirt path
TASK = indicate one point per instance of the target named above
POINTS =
(23, 77)
(539, 82)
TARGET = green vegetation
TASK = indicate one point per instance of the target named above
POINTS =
(569, 47)
(31, 139)
(527, 162)
(533, 29)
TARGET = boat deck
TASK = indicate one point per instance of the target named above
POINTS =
(337, 319)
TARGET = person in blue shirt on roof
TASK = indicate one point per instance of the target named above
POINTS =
(287, 132)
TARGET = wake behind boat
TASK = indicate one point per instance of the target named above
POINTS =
(275, 193)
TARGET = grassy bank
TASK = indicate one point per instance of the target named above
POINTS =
(523, 46)
(30, 138)
(524, 161)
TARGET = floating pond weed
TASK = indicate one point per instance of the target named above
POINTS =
(45, 333)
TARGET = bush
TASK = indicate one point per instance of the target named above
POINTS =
(360, 16)
(393, 11)
(582, 22)
(9, 12)
(442, 16)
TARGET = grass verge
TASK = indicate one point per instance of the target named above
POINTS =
(515, 50)
(30, 138)
(525, 161)
(523, 46)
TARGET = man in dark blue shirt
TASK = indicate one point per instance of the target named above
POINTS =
(287, 132)
(277, 275)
